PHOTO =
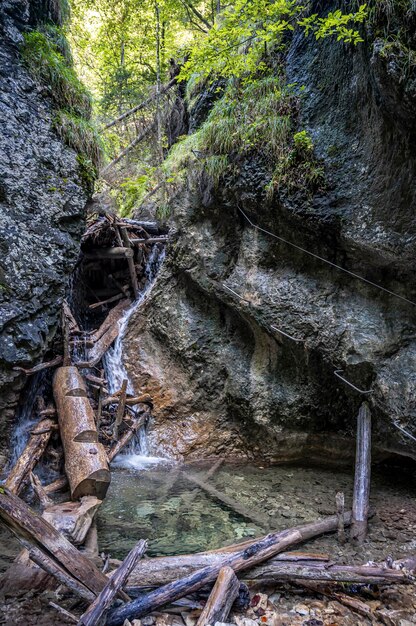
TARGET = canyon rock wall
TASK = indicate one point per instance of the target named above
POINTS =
(42, 203)
(223, 381)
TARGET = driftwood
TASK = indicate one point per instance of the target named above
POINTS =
(104, 600)
(34, 449)
(222, 596)
(111, 320)
(38, 368)
(236, 506)
(71, 321)
(85, 458)
(73, 519)
(132, 269)
(63, 611)
(127, 436)
(283, 567)
(49, 548)
(258, 551)
(91, 548)
(361, 496)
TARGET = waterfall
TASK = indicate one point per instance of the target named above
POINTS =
(136, 455)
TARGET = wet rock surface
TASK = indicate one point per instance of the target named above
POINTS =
(213, 360)
(41, 212)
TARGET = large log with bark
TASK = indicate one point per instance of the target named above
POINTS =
(35, 447)
(86, 463)
(258, 551)
(104, 600)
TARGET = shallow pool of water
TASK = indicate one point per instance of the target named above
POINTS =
(163, 506)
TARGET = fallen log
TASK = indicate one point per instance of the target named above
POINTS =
(361, 495)
(340, 505)
(72, 322)
(110, 253)
(127, 436)
(112, 319)
(85, 458)
(221, 598)
(73, 519)
(132, 269)
(33, 451)
(145, 132)
(260, 550)
(47, 547)
(104, 600)
(42, 366)
(101, 346)
(236, 506)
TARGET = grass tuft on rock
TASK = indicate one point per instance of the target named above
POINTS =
(81, 135)
(46, 62)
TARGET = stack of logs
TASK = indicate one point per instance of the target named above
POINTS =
(94, 427)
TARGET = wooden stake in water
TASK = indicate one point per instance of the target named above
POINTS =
(361, 497)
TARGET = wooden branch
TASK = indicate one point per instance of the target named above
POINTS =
(56, 485)
(127, 436)
(361, 496)
(356, 605)
(111, 320)
(144, 399)
(38, 368)
(63, 611)
(149, 241)
(96, 305)
(72, 322)
(132, 268)
(104, 600)
(39, 536)
(221, 598)
(37, 487)
(85, 458)
(259, 551)
(120, 409)
(33, 451)
(142, 105)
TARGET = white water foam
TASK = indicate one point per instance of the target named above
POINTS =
(136, 455)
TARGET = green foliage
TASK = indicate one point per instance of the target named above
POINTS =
(236, 44)
(298, 169)
(81, 135)
(132, 191)
(47, 64)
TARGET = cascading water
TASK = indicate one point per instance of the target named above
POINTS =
(136, 455)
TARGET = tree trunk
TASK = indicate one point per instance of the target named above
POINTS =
(361, 496)
(86, 463)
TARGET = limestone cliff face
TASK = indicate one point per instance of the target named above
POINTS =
(41, 209)
(223, 380)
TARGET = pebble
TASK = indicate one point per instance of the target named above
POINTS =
(301, 609)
